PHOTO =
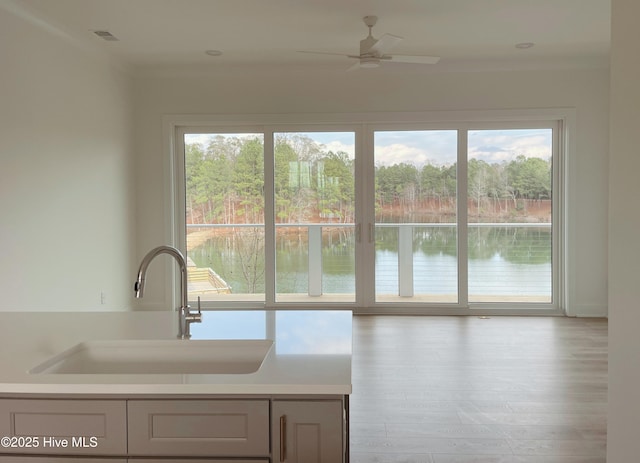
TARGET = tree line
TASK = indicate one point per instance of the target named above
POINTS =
(225, 183)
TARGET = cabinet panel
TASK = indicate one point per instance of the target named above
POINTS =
(26, 459)
(199, 427)
(81, 427)
(308, 431)
(191, 460)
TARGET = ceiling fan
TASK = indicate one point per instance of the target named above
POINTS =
(374, 51)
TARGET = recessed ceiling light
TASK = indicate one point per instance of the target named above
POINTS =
(213, 52)
(524, 45)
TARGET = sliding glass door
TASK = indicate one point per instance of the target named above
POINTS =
(307, 254)
(509, 210)
(416, 214)
(224, 216)
(497, 250)
(314, 188)
(448, 216)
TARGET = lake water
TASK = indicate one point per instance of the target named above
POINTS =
(503, 260)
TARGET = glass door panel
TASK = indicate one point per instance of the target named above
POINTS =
(416, 256)
(509, 215)
(315, 216)
(224, 183)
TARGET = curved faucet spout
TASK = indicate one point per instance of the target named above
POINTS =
(185, 317)
(146, 260)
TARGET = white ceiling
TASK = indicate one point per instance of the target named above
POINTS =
(466, 34)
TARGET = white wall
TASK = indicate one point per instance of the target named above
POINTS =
(624, 248)
(66, 197)
(316, 90)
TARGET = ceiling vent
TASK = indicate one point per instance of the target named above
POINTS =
(106, 35)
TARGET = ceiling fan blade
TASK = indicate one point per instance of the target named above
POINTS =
(327, 53)
(355, 67)
(412, 59)
(384, 44)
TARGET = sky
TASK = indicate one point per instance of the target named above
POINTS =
(438, 147)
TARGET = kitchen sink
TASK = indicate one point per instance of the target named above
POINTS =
(171, 356)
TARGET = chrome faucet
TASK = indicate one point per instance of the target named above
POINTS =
(185, 316)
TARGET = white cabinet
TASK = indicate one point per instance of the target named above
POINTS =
(310, 431)
(28, 459)
(64, 427)
(168, 430)
(189, 460)
(237, 428)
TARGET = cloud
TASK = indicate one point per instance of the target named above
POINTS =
(418, 147)
(495, 146)
(205, 138)
(397, 153)
(337, 146)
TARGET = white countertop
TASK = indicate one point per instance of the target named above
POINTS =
(311, 352)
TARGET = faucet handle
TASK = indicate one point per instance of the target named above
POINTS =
(193, 317)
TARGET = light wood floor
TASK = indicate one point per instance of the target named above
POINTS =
(466, 389)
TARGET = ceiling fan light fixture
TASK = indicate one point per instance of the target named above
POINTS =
(369, 63)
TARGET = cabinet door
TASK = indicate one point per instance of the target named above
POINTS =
(25, 459)
(65, 427)
(205, 428)
(190, 460)
(308, 431)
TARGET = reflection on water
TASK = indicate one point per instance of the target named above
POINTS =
(502, 260)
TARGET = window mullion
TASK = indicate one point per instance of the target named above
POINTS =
(269, 219)
(461, 205)
(365, 218)
(557, 212)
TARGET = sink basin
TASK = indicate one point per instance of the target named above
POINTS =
(159, 357)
